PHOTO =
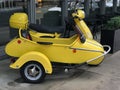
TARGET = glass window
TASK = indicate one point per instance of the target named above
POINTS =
(48, 12)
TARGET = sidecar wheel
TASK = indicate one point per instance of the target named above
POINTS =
(32, 72)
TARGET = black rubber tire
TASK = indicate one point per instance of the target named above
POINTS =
(25, 77)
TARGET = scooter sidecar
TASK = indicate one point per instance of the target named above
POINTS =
(34, 55)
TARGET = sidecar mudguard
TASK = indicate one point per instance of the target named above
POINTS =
(33, 56)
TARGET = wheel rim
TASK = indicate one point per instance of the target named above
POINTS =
(33, 72)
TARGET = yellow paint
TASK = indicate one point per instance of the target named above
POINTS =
(62, 50)
(19, 20)
(79, 13)
(33, 56)
(96, 62)
(81, 24)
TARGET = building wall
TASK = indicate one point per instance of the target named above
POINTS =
(6, 10)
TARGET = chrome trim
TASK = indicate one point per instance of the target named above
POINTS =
(84, 49)
(105, 52)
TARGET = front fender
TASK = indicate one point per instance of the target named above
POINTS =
(33, 56)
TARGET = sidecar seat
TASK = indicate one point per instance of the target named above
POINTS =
(26, 34)
(46, 29)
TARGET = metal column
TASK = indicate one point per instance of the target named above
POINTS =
(114, 5)
(102, 7)
(4, 4)
(32, 11)
(87, 7)
(64, 10)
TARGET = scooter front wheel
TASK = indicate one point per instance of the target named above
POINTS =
(32, 72)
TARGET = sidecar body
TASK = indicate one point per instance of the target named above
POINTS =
(45, 48)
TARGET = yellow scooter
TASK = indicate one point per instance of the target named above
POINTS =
(37, 49)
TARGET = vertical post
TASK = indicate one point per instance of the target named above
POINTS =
(32, 11)
(1, 4)
(87, 7)
(9, 4)
(114, 5)
(4, 4)
(102, 7)
(119, 3)
(12, 3)
(64, 10)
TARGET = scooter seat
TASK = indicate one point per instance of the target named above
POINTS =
(46, 29)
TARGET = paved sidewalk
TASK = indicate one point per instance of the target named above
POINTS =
(2, 53)
(103, 77)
